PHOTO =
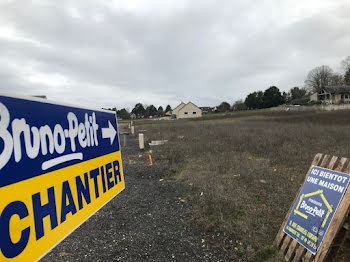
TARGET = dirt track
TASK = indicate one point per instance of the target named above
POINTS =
(145, 222)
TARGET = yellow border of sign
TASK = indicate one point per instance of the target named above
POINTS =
(23, 191)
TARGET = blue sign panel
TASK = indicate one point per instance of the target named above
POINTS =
(36, 132)
(315, 207)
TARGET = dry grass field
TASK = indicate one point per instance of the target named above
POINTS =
(246, 168)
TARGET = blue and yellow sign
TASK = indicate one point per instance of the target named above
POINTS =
(59, 164)
(315, 207)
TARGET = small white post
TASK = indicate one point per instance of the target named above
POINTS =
(141, 141)
(132, 130)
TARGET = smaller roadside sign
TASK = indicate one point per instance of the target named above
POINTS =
(315, 207)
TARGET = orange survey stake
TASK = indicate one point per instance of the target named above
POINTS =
(150, 159)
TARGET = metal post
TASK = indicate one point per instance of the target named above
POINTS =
(125, 139)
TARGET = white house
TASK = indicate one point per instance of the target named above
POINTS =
(188, 110)
(333, 94)
(177, 109)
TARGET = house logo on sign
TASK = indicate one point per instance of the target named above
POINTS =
(309, 206)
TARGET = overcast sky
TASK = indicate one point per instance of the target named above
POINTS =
(117, 53)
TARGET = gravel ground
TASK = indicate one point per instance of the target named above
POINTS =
(145, 222)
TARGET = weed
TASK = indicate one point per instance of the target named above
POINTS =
(247, 168)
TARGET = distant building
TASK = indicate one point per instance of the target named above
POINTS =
(176, 110)
(188, 110)
(333, 95)
(206, 109)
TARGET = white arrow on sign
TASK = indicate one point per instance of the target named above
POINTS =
(109, 132)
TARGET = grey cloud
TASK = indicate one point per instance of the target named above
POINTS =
(205, 51)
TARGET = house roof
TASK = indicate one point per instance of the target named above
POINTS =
(182, 104)
(192, 104)
(182, 108)
(338, 89)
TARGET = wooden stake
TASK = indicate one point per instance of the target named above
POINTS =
(141, 141)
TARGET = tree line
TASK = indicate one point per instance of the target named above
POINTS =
(317, 79)
(141, 111)
(271, 97)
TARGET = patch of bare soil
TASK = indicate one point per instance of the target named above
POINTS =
(148, 221)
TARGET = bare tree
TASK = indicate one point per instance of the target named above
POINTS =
(239, 105)
(337, 79)
(347, 77)
(319, 77)
(345, 64)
